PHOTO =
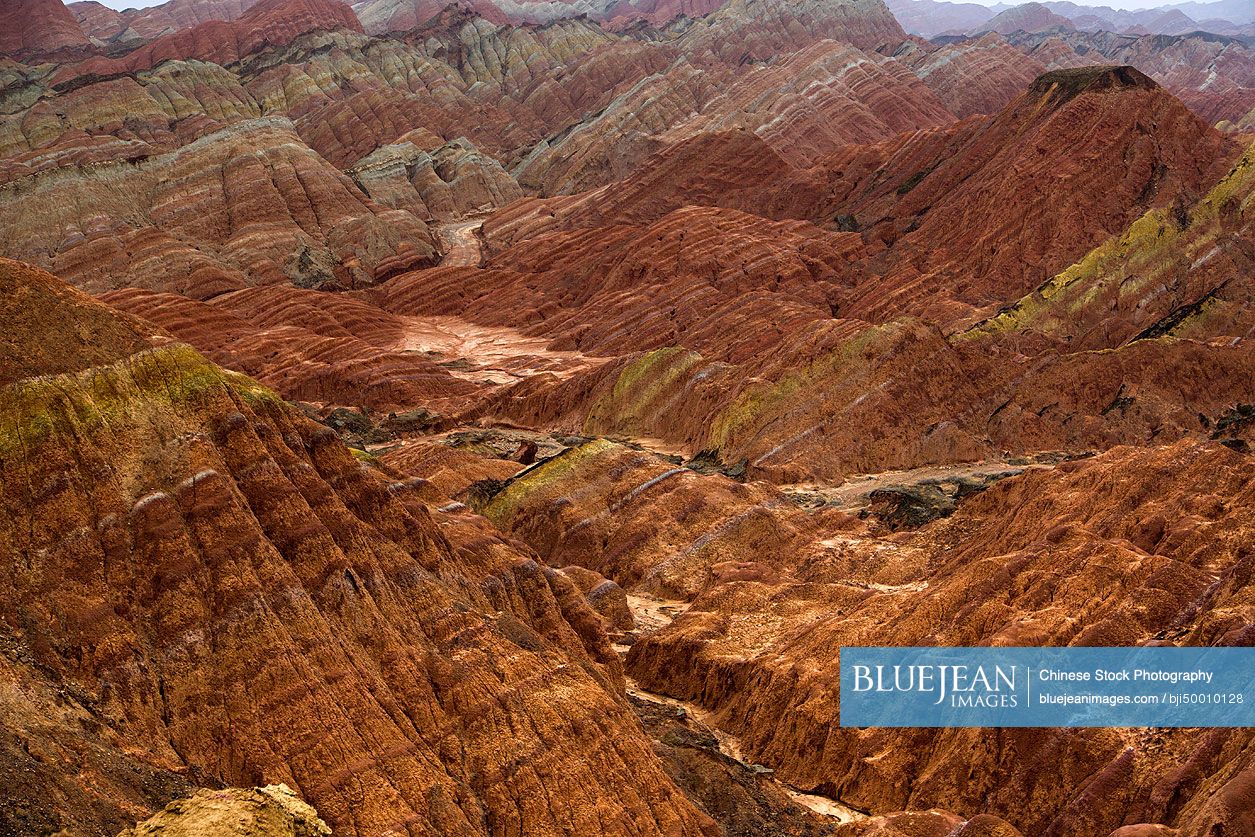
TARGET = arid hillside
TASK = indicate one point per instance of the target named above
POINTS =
(493, 417)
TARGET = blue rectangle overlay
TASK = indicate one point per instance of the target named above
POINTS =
(1047, 687)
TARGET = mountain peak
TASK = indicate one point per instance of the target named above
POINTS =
(1064, 85)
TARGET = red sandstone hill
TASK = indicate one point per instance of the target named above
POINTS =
(1026, 17)
(106, 24)
(246, 205)
(223, 42)
(378, 16)
(37, 27)
(209, 588)
(773, 253)
(992, 208)
(970, 215)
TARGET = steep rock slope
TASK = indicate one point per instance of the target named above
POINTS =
(121, 27)
(971, 215)
(596, 506)
(307, 346)
(379, 16)
(1214, 75)
(232, 594)
(997, 206)
(731, 69)
(225, 41)
(1026, 17)
(37, 27)
(690, 276)
(804, 105)
(1144, 340)
(1135, 546)
(970, 77)
(817, 393)
(1185, 272)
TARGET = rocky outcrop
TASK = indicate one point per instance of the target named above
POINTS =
(220, 582)
(1155, 151)
(1214, 75)
(595, 506)
(804, 106)
(435, 181)
(36, 27)
(1180, 271)
(309, 347)
(706, 270)
(272, 811)
(379, 16)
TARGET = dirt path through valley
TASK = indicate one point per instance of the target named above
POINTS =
(462, 245)
(485, 353)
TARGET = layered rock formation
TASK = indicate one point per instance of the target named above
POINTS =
(379, 16)
(1090, 559)
(1026, 17)
(726, 338)
(1183, 272)
(1212, 74)
(226, 41)
(38, 27)
(219, 581)
(122, 27)
(246, 205)
(970, 77)
(914, 192)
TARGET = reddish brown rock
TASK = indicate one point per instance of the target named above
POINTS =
(247, 205)
(223, 42)
(38, 27)
(272, 811)
(970, 77)
(947, 216)
(306, 345)
(1118, 571)
(257, 605)
(1026, 17)
(658, 12)
(604, 596)
(106, 24)
(609, 524)
(400, 15)
(1212, 74)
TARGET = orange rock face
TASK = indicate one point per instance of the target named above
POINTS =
(217, 574)
(1090, 559)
